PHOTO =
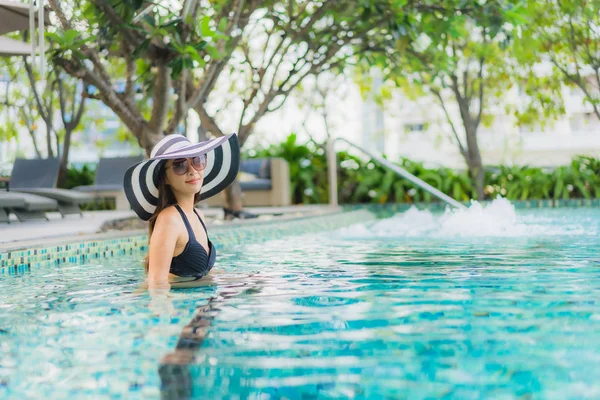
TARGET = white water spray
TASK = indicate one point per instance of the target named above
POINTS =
(496, 219)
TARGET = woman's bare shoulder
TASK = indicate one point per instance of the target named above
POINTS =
(169, 216)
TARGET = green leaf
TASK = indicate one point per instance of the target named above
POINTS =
(222, 25)
(141, 48)
(205, 29)
(213, 52)
(69, 36)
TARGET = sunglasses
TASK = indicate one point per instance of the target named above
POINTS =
(181, 165)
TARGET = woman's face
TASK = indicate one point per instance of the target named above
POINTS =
(185, 175)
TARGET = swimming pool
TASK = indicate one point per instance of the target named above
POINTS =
(487, 303)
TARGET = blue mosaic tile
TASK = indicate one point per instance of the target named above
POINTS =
(220, 235)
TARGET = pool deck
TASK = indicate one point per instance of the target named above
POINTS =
(75, 227)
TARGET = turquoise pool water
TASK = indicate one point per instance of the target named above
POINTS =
(484, 304)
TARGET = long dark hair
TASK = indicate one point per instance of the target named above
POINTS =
(166, 198)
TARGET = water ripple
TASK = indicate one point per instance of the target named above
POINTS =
(322, 316)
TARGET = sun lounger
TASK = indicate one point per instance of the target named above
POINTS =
(109, 180)
(38, 177)
(25, 206)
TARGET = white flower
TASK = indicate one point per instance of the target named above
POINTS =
(372, 193)
(412, 192)
(308, 191)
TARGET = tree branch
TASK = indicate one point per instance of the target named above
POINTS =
(180, 110)
(130, 117)
(133, 37)
(66, 25)
(31, 131)
(61, 102)
(75, 121)
(207, 122)
(130, 73)
(36, 95)
(578, 82)
(160, 105)
(449, 119)
(481, 87)
(215, 67)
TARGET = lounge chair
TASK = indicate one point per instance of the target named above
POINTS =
(25, 206)
(269, 184)
(109, 180)
(39, 176)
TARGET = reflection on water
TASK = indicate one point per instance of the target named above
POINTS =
(174, 369)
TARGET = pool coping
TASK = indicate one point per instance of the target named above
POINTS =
(118, 243)
(78, 248)
(214, 226)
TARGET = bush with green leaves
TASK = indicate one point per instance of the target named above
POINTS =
(85, 175)
(80, 176)
(363, 181)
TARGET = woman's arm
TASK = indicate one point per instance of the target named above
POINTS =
(162, 247)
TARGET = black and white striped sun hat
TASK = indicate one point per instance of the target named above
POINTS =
(222, 167)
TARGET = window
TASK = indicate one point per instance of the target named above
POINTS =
(418, 127)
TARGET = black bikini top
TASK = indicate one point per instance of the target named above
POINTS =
(193, 261)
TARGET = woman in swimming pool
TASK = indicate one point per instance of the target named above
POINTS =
(164, 189)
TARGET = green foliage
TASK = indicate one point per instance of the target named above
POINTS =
(470, 53)
(80, 176)
(363, 181)
(566, 34)
(85, 175)
(308, 168)
(8, 131)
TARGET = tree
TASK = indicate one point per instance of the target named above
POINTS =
(317, 97)
(124, 49)
(567, 33)
(461, 57)
(262, 49)
(31, 100)
(121, 49)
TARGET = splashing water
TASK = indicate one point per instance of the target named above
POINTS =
(496, 219)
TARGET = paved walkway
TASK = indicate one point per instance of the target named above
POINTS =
(92, 221)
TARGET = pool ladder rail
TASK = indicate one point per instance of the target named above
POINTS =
(332, 173)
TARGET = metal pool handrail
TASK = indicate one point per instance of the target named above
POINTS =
(332, 173)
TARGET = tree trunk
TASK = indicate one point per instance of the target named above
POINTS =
(202, 134)
(233, 193)
(474, 162)
(64, 159)
(31, 131)
(38, 154)
(50, 153)
(477, 175)
(233, 196)
(149, 139)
